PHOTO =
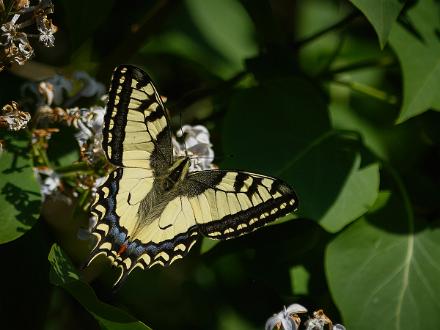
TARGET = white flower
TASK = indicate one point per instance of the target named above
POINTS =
(89, 122)
(286, 318)
(49, 181)
(196, 145)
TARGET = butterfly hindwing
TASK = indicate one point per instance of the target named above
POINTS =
(214, 203)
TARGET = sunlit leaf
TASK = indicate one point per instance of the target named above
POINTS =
(382, 14)
(418, 56)
(300, 278)
(64, 274)
(20, 198)
(233, 37)
(383, 271)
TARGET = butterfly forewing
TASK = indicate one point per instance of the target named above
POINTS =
(227, 204)
(136, 132)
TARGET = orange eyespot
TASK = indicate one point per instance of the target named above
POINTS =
(122, 249)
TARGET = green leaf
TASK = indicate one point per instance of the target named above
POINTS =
(207, 244)
(281, 118)
(300, 279)
(64, 274)
(333, 187)
(418, 56)
(383, 270)
(63, 149)
(231, 37)
(357, 197)
(382, 14)
(403, 145)
(287, 134)
(20, 198)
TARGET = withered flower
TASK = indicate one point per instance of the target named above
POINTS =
(13, 118)
(14, 43)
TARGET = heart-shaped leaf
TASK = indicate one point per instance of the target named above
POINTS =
(383, 271)
(20, 198)
(382, 14)
(418, 53)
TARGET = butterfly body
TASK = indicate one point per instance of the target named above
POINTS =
(151, 209)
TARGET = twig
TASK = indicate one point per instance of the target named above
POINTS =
(200, 93)
(381, 62)
(367, 90)
(150, 23)
(335, 26)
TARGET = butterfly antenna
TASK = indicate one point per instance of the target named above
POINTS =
(181, 131)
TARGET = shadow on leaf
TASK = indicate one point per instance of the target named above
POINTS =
(21, 200)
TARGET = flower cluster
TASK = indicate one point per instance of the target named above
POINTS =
(193, 142)
(289, 319)
(13, 118)
(50, 100)
(14, 42)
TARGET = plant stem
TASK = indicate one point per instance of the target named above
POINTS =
(200, 93)
(148, 25)
(367, 90)
(335, 26)
(73, 168)
(381, 62)
(9, 7)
